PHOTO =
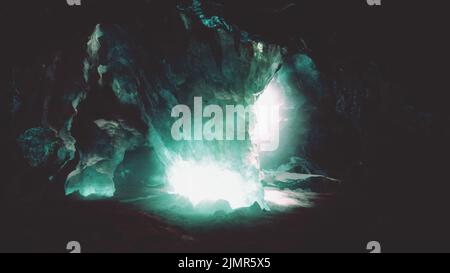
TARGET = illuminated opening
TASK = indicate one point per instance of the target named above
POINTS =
(265, 132)
(210, 181)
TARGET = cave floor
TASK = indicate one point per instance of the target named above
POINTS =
(113, 226)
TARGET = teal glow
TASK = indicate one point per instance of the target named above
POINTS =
(90, 183)
(266, 130)
(212, 181)
(96, 191)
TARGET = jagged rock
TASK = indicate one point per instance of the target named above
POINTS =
(98, 162)
(317, 184)
(299, 165)
(209, 207)
(149, 87)
(39, 145)
(120, 90)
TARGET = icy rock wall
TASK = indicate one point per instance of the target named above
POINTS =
(116, 96)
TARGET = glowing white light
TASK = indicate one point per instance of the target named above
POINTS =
(266, 130)
(91, 190)
(287, 198)
(213, 181)
(209, 181)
